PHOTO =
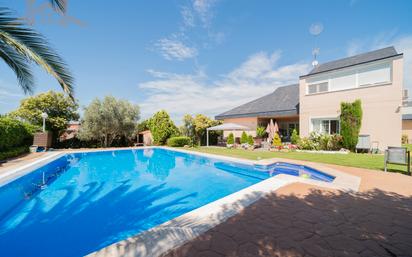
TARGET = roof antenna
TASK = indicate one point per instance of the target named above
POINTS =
(315, 29)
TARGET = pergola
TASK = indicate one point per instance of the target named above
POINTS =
(225, 127)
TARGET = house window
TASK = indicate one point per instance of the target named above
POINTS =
(325, 126)
(371, 75)
(318, 88)
(375, 75)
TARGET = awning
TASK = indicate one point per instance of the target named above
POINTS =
(225, 126)
(229, 126)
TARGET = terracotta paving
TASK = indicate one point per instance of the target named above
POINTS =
(21, 160)
(303, 220)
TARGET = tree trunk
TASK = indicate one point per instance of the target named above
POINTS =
(105, 140)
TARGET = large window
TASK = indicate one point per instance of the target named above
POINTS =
(325, 126)
(372, 75)
(318, 88)
(375, 75)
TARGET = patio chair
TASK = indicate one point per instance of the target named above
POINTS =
(364, 143)
(398, 155)
(375, 147)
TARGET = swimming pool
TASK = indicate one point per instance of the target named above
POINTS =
(82, 202)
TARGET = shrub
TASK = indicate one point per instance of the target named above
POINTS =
(260, 132)
(405, 139)
(15, 133)
(276, 140)
(250, 140)
(294, 139)
(231, 139)
(16, 151)
(178, 141)
(307, 144)
(244, 138)
(350, 123)
(75, 142)
(317, 141)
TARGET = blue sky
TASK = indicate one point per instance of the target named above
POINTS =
(202, 56)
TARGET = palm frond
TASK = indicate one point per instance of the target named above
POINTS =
(59, 5)
(34, 47)
(19, 65)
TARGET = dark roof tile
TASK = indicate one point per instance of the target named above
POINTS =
(283, 101)
(354, 60)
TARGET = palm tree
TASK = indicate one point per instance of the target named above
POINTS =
(59, 5)
(20, 45)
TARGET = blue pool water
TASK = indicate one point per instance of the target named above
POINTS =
(95, 199)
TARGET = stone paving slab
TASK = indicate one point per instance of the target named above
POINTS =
(303, 220)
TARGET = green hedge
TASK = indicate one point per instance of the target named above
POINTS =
(13, 152)
(15, 133)
(350, 123)
(178, 141)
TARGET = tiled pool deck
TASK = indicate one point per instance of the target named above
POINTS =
(288, 216)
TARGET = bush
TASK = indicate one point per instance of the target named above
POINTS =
(294, 139)
(178, 141)
(78, 143)
(405, 139)
(15, 133)
(231, 139)
(14, 152)
(250, 140)
(317, 141)
(276, 140)
(308, 144)
(260, 132)
(350, 123)
(244, 138)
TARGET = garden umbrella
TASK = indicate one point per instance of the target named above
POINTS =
(270, 130)
(276, 129)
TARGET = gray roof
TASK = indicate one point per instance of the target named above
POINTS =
(407, 117)
(355, 60)
(283, 101)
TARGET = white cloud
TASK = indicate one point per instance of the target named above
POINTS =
(10, 96)
(203, 9)
(195, 93)
(187, 16)
(172, 49)
(354, 47)
(402, 44)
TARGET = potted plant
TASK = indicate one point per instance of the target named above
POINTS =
(260, 135)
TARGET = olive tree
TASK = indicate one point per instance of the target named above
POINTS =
(108, 119)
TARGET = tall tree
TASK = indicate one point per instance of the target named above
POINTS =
(109, 119)
(350, 123)
(195, 128)
(162, 127)
(21, 45)
(188, 127)
(59, 108)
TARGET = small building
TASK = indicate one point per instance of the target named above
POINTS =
(376, 78)
(145, 138)
(73, 128)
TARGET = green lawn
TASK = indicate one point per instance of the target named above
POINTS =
(368, 161)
